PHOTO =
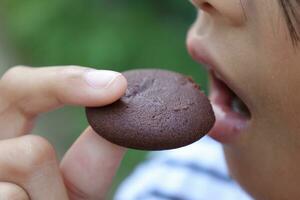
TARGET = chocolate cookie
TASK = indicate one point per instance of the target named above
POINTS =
(160, 110)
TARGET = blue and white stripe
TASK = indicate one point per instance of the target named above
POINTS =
(194, 172)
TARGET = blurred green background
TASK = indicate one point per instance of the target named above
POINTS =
(110, 34)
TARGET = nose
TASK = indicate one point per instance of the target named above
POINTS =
(202, 4)
(231, 10)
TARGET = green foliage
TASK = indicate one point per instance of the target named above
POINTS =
(111, 34)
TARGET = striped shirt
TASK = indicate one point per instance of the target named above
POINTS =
(194, 172)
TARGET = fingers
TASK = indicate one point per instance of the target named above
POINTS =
(90, 165)
(35, 90)
(10, 191)
(30, 162)
(25, 92)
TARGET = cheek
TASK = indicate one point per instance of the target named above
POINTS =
(262, 60)
(270, 147)
(276, 85)
(270, 67)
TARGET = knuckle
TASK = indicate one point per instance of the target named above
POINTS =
(71, 74)
(10, 81)
(12, 192)
(26, 156)
(71, 70)
(38, 152)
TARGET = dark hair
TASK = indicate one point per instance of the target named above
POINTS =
(291, 9)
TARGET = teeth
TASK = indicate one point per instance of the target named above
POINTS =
(239, 107)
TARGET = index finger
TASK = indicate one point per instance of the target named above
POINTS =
(25, 92)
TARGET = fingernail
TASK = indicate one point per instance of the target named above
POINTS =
(100, 78)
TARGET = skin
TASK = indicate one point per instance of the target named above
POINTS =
(252, 46)
(28, 163)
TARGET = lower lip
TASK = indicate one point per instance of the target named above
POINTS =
(229, 124)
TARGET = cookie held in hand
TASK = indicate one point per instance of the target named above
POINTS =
(160, 110)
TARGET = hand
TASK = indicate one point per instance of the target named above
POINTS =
(29, 168)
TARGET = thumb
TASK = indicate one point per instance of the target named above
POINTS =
(90, 165)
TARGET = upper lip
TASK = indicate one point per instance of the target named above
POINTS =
(200, 54)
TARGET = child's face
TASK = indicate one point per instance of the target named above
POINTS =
(248, 45)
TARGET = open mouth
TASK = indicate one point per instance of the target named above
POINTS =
(232, 114)
(228, 100)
